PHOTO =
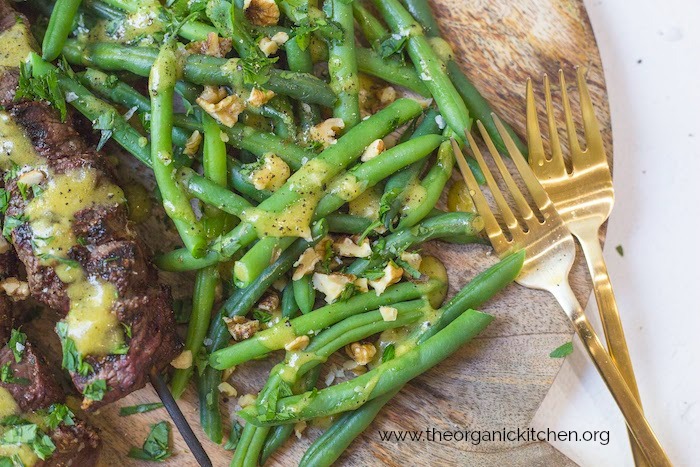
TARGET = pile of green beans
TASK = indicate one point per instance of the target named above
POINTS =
(205, 173)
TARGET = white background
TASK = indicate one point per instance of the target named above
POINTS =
(655, 107)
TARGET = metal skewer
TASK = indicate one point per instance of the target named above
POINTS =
(179, 419)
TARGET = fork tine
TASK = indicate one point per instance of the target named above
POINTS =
(594, 141)
(574, 147)
(536, 191)
(520, 201)
(508, 217)
(535, 146)
(557, 157)
(493, 229)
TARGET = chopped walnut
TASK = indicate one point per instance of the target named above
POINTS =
(299, 343)
(227, 373)
(242, 328)
(413, 259)
(389, 313)
(361, 353)
(387, 95)
(227, 390)
(182, 361)
(392, 274)
(326, 131)
(4, 245)
(225, 110)
(346, 247)
(262, 12)
(31, 178)
(280, 38)
(192, 144)
(268, 46)
(15, 289)
(214, 46)
(306, 263)
(375, 148)
(259, 97)
(246, 400)
(361, 284)
(332, 285)
(270, 302)
(299, 428)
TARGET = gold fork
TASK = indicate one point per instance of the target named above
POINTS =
(549, 255)
(584, 199)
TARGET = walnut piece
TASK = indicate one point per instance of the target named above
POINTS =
(227, 390)
(361, 353)
(389, 313)
(299, 343)
(374, 149)
(272, 173)
(392, 274)
(192, 144)
(306, 263)
(241, 328)
(16, 289)
(182, 361)
(259, 97)
(331, 285)
(346, 247)
(225, 110)
(326, 131)
(262, 12)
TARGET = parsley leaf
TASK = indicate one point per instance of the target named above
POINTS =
(262, 316)
(4, 200)
(562, 351)
(389, 353)
(23, 432)
(42, 88)
(413, 272)
(140, 408)
(7, 375)
(234, 437)
(72, 359)
(10, 224)
(17, 344)
(157, 444)
(394, 44)
(59, 413)
(96, 390)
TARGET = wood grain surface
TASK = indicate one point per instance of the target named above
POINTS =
(497, 381)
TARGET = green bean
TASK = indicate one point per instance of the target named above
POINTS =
(361, 177)
(429, 66)
(323, 346)
(399, 184)
(198, 69)
(181, 260)
(212, 193)
(289, 304)
(304, 293)
(328, 447)
(347, 223)
(464, 224)
(342, 64)
(378, 381)
(110, 87)
(479, 107)
(330, 162)
(274, 338)
(161, 87)
(60, 26)
(259, 143)
(279, 111)
(204, 292)
(389, 69)
(239, 304)
(95, 110)
(372, 29)
(432, 186)
(300, 61)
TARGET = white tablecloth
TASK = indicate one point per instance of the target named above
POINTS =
(651, 55)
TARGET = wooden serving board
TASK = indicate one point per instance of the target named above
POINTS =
(497, 381)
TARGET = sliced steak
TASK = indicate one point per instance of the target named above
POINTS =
(106, 251)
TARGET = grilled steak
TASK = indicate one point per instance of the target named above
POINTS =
(34, 389)
(82, 257)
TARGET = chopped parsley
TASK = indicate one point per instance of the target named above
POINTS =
(620, 250)
(72, 359)
(59, 413)
(410, 270)
(42, 88)
(96, 390)
(262, 316)
(10, 224)
(4, 200)
(24, 432)
(234, 437)
(389, 353)
(156, 447)
(7, 375)
(140, 408)
(562, 351)
(17, 344)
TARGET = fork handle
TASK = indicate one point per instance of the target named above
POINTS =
(610, 316)
(631, 411)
